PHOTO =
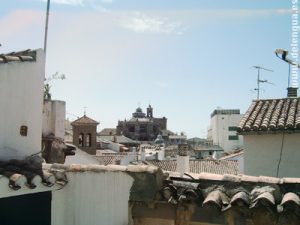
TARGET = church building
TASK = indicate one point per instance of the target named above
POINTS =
(142, 127)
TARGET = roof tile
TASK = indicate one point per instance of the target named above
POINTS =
(84, 120)
(271, 115)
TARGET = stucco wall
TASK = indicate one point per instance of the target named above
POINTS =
(262, 154)
(219, 131)
(54, 114)
(21, 100)
(92, 198)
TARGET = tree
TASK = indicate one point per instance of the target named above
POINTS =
(55, 76)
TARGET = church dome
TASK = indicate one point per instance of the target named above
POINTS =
(139, 110)
(138, 113)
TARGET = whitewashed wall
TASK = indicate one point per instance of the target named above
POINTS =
(54, 114)
(21, 101)
(114, 146)
(262, 155)
(81, 157)
(219, 132)
(92, 198)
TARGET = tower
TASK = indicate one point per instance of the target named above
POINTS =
(150, 111)
(84, 134)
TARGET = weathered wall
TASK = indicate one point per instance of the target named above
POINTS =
(92, 198)
(262, 154)
(21, 100)
(54, 114)
(219, 131)
(86, 129)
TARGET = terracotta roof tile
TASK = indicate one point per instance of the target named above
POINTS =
(27, 176)
(271, 115)
(200, 166)
(84, 120)
(218, 192)
(22, 56)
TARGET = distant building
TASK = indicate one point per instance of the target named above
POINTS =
(177, 139)
(271, 136)
(223, 127)
(107, 132)
(117, 143)
(142, 127)
(85, 133)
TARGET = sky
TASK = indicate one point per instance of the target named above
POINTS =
(184, 57)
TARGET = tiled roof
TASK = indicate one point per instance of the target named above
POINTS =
(84, 120)
(27, 176)
(22, 56)
(119, 139)
(249, 199)
(254, 195)
(107, 132)
(109, 159)
(271, 115)
(228, 157)
(200, 166)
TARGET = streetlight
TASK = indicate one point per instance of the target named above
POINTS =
(282, 54)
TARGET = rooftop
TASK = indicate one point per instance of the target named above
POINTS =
(200, 166)
(271, 115)
(107, 132)
(84, 120)
(27, 176)
(22, 56)
(117, 138)
(225, 112)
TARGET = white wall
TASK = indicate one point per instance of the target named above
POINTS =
(80, 157)
(262, 155)
(219, 132)
(114, 146)
(21, 100)
(54, 114)
(92, 198)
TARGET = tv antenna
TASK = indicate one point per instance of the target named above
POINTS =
(259, 80)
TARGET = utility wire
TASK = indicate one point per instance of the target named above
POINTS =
(280, 156)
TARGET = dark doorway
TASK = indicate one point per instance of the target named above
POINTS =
(31, 209)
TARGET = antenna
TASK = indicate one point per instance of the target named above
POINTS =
(260, 80)
(46, 25)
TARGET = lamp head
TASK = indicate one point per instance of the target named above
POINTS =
(281, 52)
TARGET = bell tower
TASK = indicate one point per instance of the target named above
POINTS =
(150, 111)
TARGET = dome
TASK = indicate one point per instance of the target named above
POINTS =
(159, 140)
(139, 110)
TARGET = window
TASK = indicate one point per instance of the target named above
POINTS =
(88, 141)
(131, 129)
(233, 137)
(80, 139)
(143, 129)
(232, 128)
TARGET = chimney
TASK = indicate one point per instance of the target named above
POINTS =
(292, 92)
(142, 154)
(183, 159)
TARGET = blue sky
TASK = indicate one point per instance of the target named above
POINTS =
(186, 58)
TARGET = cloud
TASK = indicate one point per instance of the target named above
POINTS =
(142, 23)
